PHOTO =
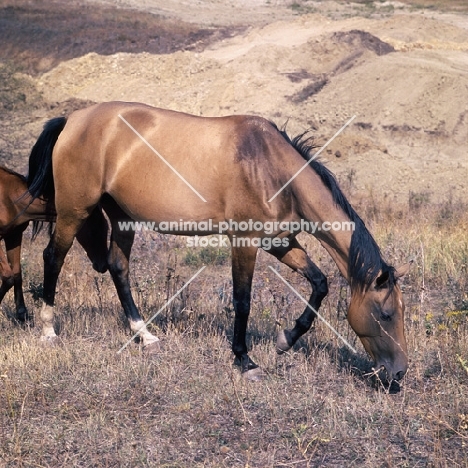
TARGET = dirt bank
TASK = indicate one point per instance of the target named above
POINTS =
(403, 74)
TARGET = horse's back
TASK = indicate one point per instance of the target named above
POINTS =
(230, 132)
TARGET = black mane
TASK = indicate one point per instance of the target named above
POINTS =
(365, 258)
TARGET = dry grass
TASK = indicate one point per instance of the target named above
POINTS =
(81, 404)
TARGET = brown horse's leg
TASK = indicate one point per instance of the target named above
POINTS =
(118, 261)
(6, 275)
(93, 238)
(243, 264)
(13, 249)
(297, 259)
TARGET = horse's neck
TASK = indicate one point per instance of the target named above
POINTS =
(316, 204)
(27, 210)
(340, 257)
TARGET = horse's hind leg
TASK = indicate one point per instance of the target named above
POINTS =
(54, 257)
(297, 259)
(13, 250)
(118, 262)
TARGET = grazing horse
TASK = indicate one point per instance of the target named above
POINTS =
(15, 213)
(17, 208)
(148, 164)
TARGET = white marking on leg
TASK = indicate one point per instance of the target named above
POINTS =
(140, 328)
(47, 318)
(160, 310)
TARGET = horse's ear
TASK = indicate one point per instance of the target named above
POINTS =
(403, 270)
(382, 280)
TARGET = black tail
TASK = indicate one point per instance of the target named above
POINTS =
(40, 178)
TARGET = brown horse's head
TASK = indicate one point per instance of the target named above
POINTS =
(376, 314)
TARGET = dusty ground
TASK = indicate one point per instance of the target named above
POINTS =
(402, 73)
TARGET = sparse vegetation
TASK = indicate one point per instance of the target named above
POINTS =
(206, 256)
(81, 404)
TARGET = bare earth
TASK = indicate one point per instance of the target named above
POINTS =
(403, 74)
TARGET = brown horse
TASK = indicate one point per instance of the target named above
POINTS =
(17, 208)
(148, 164)
(15, 213)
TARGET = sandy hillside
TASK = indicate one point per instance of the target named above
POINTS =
(403, 75)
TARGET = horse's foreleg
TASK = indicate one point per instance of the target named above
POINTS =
(54, 257)
(13, 249)
(243, 264)
(297, 259)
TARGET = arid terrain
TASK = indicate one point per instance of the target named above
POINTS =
(399, 70)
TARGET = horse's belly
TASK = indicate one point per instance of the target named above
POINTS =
(165, 202)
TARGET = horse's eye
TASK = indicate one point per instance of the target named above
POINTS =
(385, 317)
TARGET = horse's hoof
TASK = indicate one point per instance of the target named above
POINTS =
(50, 340)
(254, 375)
(152, 348)
(282, 345)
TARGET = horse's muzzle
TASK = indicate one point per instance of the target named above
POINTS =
(387, 374)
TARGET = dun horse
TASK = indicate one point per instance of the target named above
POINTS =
(17, 208)
(149, 164)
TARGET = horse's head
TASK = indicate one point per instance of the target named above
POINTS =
(377, 316)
